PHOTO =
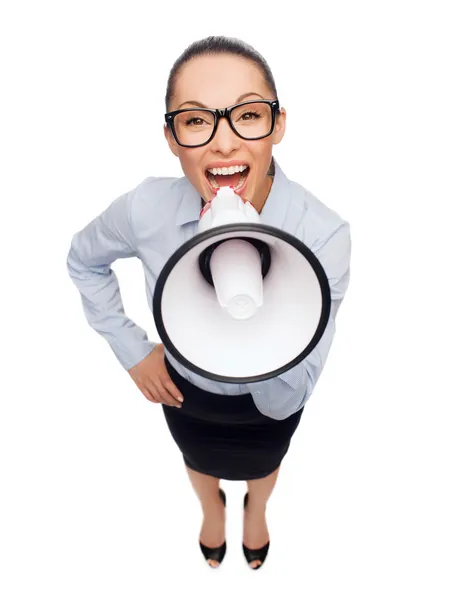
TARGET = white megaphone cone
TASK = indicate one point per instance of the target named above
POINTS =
(235, 264)
(240, 301)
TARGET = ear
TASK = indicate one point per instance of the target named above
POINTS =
(171, 141)
(279, 128)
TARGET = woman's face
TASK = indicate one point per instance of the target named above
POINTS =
(218, 81)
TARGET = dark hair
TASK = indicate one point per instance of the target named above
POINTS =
(219, 45)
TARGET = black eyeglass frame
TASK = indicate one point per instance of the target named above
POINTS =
(218, 113)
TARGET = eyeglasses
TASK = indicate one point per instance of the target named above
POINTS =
(251, 120)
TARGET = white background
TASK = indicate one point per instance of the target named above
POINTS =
(95, 500)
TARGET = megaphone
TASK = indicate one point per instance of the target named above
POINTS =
(240, 301)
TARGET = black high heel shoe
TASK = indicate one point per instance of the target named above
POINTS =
(260, 553)
(216, 554)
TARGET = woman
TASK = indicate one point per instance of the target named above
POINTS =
(224, 431)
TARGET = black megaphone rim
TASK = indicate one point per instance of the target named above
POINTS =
(242, 228)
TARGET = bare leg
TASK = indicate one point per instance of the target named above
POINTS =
(212, 532)
(255, 531)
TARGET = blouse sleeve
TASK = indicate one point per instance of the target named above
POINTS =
(93, 249)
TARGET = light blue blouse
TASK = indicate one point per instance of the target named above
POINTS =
(156, 217)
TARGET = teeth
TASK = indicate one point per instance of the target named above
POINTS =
(216, 185)
(241, 181)
(228, 170)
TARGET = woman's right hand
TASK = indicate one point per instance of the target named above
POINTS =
(153, 380)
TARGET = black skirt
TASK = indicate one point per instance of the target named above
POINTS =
(227, 436)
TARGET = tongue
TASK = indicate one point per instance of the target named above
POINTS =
(226, 180)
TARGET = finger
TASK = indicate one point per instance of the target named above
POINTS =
(164, 394)
(206, 207)
(169, 385)
(148, 395)
(152, 390)
(172, 389)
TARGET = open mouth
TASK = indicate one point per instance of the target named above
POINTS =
(236, 180)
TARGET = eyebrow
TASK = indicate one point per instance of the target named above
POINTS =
(239, 99)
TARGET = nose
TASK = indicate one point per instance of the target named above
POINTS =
(225, 139)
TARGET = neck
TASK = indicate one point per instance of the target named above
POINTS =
(260, 202)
